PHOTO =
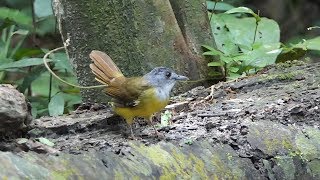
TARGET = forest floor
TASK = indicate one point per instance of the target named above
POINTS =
(222, 117)
(262, 119)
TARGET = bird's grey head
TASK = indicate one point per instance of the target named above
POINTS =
(164, 78)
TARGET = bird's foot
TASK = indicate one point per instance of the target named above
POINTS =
(132, 137)
(159, 135)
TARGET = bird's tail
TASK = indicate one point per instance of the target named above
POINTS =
(105, 70)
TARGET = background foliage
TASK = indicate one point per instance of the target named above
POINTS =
(246, 42)
(28, 30)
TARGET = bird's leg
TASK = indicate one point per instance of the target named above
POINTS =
(130, 122)
(155, 130)
(131, 131)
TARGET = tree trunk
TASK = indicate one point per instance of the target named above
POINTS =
(137, 35)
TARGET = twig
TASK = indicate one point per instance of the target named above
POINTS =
(56, 76)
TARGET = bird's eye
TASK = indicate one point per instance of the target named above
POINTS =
(168, 74)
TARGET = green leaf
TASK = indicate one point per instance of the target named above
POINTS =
(32, 75)
(213, 53)
(220, 6)
(42, 8)
(215, 74)
(209, 47)
(234, 69)
(56, 105)
(45, 141)
(265, 55)
(21, 32)
(223, 39)
(226, 59)
(313, 44)
(268, 31)
(240, 31)
(62, 62)
(6, 23)
(243, 10)
(27, 52)
(23, 63)
(215, 64)
(165, 118)
(46, 25)
(16, 16)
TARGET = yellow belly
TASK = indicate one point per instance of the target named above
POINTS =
(147, 106)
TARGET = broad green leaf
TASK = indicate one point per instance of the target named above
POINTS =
(42, 8)
(27, 52)
(6, 23)
(234, 69)
(226, 59)
(31, 77)
(209, 47)
(215, 64)
(46, 141)
(243, 10)
(223, 39)
(241, 31)
(46, 25)
(209, 53)
(23, 63)
(268, 31)
(313, 44)
(62, 62)
(220, 6)
(16, 16)
(56, 105)
(260, 57)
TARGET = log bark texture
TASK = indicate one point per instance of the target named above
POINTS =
(138, 35)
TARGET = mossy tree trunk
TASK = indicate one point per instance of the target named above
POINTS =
(138, 35)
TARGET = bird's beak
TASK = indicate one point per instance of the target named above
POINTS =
(180, 77)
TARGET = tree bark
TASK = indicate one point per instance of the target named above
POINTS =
(137, 35)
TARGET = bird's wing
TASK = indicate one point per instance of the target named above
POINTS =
(129, 92)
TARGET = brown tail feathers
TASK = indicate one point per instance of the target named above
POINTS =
(105, 70)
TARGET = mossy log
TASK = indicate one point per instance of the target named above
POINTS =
(161, 161)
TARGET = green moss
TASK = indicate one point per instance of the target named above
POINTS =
(66, 171)
(309, 147)
(287, 166)
(282, 76)
(315, 167)
(118, 175)
(199, 167)
(226, 171)
(65, 174)
(173, 162)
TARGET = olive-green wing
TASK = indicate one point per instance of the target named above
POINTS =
(129, 92)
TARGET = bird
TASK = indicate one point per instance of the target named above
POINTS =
(134, 97)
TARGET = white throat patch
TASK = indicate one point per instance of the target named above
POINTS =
(163, 93)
